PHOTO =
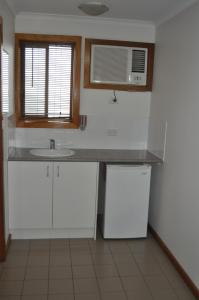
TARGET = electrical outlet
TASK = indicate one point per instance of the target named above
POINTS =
(112, 132)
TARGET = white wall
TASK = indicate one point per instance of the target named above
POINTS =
(129, 117)
(174, 209)
(8, 45)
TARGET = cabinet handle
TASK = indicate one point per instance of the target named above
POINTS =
(47, 171)
(57, 171)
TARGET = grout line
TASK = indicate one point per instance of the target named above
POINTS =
(152, 251)
(49, 269)
(176, 265)
(26, 266)
(159, 264)
(115, 264)
(165, 275)
(162, 269)
(96, 278)
(142, 275)
(154, 256)
(71, 265)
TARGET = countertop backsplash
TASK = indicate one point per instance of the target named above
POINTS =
(102, 132)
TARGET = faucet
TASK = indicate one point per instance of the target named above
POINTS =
(52, 144)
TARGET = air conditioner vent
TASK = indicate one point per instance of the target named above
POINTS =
(110, 64)
(138, 61)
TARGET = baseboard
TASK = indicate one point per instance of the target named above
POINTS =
(68, 233)
(175, 263)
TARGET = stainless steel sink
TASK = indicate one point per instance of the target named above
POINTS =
(52, 152)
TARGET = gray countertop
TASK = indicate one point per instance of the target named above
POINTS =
(92, 155)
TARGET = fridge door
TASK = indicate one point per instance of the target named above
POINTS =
(126, 201)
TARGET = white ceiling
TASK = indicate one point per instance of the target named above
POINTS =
(154, 11)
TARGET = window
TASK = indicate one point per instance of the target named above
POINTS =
(5, 82)
(47, 81)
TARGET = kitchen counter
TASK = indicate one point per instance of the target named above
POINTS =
(62, 197)
(92, 155)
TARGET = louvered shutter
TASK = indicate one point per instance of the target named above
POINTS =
(138, 61)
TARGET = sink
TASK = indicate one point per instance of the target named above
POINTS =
(52, 152)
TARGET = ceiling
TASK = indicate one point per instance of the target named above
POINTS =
(154, 11)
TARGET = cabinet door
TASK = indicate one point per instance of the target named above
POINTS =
(30, 195)
(74, 194)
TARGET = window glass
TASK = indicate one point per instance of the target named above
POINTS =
(47, 80)
(5, 82)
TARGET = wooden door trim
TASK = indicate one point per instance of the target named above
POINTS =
(2, 226)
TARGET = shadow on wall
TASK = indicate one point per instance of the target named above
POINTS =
(157, 138)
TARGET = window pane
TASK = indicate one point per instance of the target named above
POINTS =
(5, 82)
(35, 72)
(59, 87)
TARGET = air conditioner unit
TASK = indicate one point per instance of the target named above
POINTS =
(118, 65)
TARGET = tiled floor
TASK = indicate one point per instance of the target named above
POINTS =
(89, 270)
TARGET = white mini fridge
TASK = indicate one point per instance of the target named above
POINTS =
(126, 201)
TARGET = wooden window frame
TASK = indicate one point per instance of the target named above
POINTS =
(48, 122)
(120, 87)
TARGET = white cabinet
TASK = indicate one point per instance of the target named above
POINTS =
(30, 200)
(74, 193)
(50, 199)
